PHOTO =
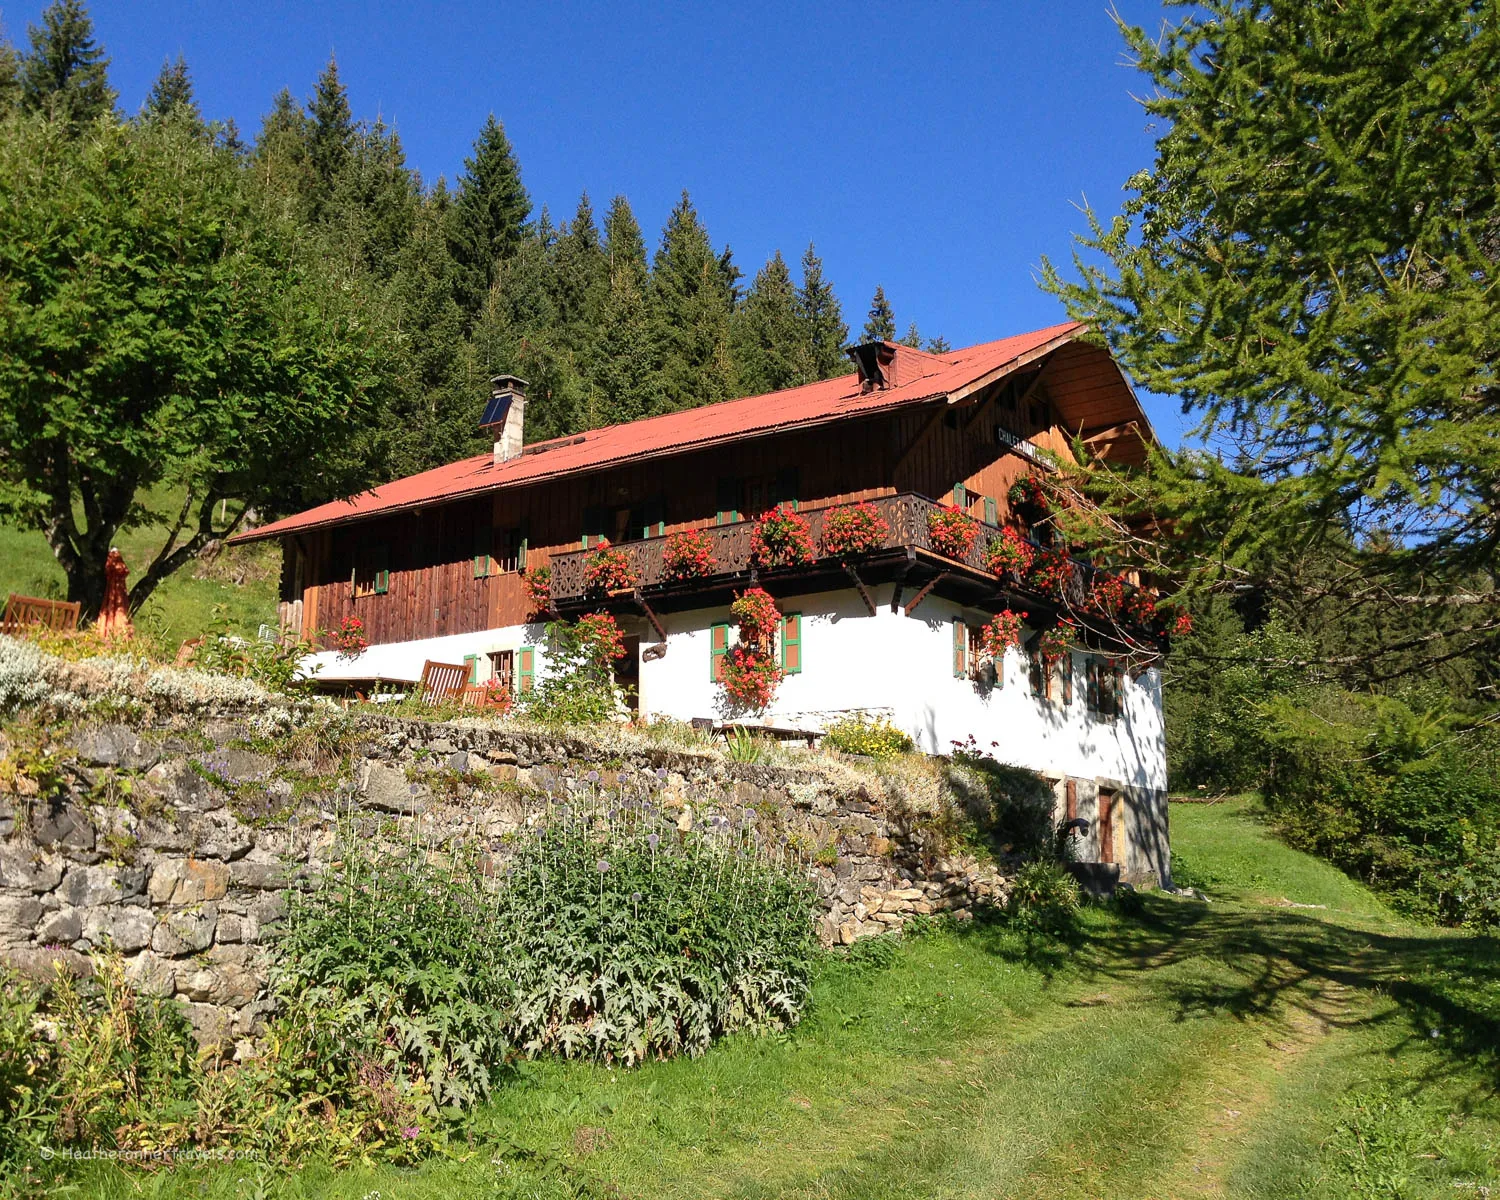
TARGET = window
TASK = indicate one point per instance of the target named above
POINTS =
(499, 551)
(960, 496)
(371, 575)
(991, 511)
(791, 643)
(1105, 686)
(960, 649)
(502, 668)
(1036, 677)
(741, 499)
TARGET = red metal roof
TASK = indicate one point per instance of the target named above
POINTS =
(917, 376)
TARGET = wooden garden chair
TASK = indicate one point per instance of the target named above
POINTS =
(442, 681)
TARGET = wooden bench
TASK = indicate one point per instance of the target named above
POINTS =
(23, 611)
(780, 732)
(442, 681)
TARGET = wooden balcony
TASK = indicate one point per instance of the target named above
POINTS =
(906, 554)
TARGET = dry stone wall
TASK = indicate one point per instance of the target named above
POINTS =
(178, 845)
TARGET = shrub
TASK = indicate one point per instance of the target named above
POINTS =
(854, 529)
(1044, 898)
(951, 532)
(609, 569)
(781, 538)
(577, 687)
(875, 738)
(688, 555)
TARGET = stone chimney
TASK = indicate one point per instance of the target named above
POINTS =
(505, 415)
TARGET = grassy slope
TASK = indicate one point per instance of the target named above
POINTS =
(182, 606)
(1233, 1049)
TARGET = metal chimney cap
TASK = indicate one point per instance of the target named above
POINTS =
(507, 383)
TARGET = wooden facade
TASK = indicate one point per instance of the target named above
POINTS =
(454, 567)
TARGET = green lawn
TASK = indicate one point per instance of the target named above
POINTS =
(1239, 1048)
(241, 583)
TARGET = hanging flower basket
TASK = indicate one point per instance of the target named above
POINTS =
(1029, 497)
(609, 569)
(350, 638)
(538, 585)
(751, 672)
(599, 637)
(751, 677)
(1107, 595)
(1053, 643)
(951, 533)
(782, 538)
(755, 612)
(688, 555)
(854, 529)
(1051, 573)
(1140, 607)
(1009, 553)
(1002, 632)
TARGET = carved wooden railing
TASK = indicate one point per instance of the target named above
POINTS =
(906, 513)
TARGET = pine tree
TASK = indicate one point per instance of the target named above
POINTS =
(624, 368)
(767, 333)
(823, 330)
(913, 337)
(66, 72)
(172, 93)
(10, 74)
(280, 157)
(580, 278)
(692, 300)
(1311, 264)
(938, 345)
(330, 131)
(489, 214)
(371, 212)
(880, 325)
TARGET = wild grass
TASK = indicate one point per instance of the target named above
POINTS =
(1237, 1048)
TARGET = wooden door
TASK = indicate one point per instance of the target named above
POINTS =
(1106, 826)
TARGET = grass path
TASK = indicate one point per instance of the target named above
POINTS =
(1244, 1048)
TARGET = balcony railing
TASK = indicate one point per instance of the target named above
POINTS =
(906, 514)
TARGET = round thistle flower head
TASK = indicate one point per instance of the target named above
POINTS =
(653, 841)
(602, 865)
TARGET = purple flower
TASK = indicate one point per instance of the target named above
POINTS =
(410, 1132)
(661, 772)
(635, 897)
(602, 865)
(653, 841)
(592, 776)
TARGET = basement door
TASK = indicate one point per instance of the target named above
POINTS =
(1108, 803)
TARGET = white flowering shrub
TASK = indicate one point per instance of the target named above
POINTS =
(21, 679)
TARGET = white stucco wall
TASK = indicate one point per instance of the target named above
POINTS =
(903, 666)
(404, 660)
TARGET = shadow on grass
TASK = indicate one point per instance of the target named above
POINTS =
(1292, 969)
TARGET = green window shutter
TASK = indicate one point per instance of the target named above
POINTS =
(960, 496)
(786, 487)
(482, 561)
(1066, 667)
(522, 541)
(654, 517)
(791, 643)
(718, 651)
(593, 526)
(991, 513)
(472, 662)
(382, 572)
(960, 649)
(728, 501)
(525, 668)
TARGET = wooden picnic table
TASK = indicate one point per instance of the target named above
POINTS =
(781, 733)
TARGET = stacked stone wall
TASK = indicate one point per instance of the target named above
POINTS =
(178, 845)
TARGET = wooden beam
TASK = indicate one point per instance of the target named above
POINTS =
(651, 617)
(1020, 399)
(926, 587)
(918, 440)
(864, 593)
(1010, 368)
(911, 558)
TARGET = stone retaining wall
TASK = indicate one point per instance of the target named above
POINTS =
(178, 845)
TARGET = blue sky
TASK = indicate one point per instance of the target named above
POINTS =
(938, 150)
